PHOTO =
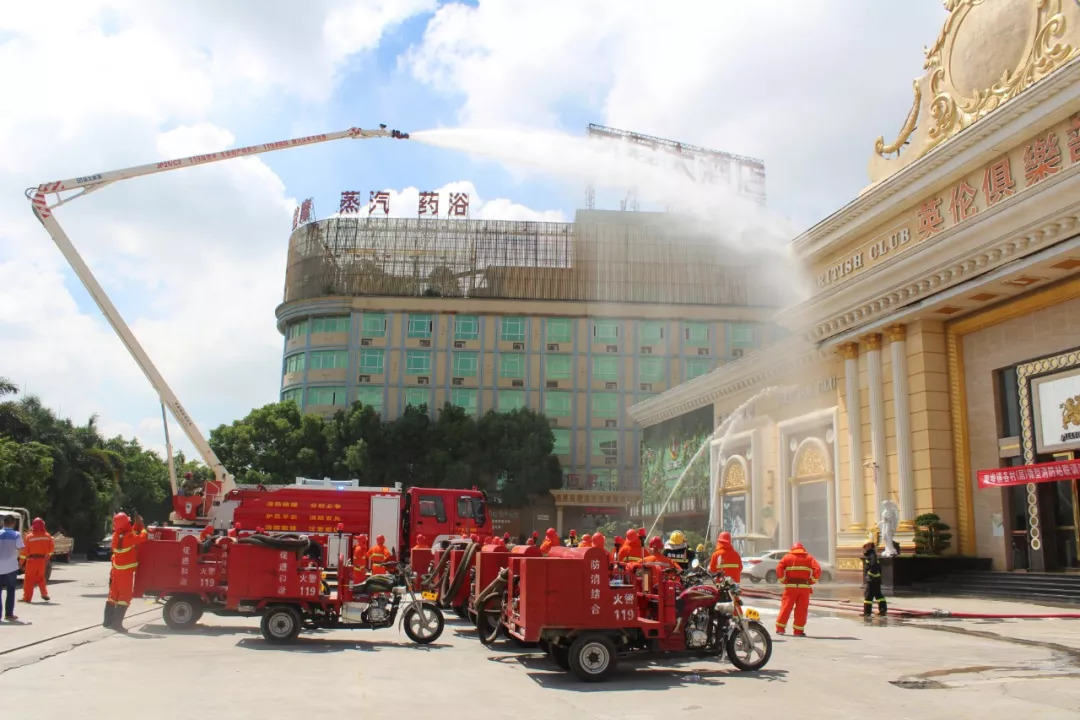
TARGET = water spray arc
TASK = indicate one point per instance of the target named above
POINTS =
(724, 430)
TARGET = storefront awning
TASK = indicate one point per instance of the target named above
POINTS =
(1024, 474)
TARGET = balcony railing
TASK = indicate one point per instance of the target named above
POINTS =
(599, 483)
(689, 504)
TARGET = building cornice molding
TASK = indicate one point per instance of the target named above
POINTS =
(1050, 100)
(982, 246)
(775, 363)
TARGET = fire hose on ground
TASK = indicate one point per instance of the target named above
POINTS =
(844, 606)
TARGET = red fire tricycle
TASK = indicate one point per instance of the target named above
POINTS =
(587, 616)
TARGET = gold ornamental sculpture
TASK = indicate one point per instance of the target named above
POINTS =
(988, 52)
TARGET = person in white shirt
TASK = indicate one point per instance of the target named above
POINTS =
(11, 542)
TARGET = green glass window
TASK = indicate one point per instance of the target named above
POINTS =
(742, 335)
(371, 361)
(605, 405)
(512, 329)
(605, 368)
(295, 395)
(329, 360)
(652, 369)
(696, 333)
(464, 399)
(373, 325)
(417, 362)
(465, 364)
(557, 404)
(371, 397)
(420, 326)
(559, 330)
(297, 329)
(294, 363)
(466, 327)
(695, 367)
(562, 441)
(511, 400)
(326, 396)
(417, 397)
(335, 324)
(651, 331)
(604, 330)
(605, 442)
(511, 365)
(557, 367)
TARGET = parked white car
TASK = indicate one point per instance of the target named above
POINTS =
(763, 567)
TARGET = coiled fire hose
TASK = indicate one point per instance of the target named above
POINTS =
(490, 631)
(432, 580)
(298, 545)
(840, 605)
(462, 570)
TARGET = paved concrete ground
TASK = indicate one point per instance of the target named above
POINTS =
(898, 669)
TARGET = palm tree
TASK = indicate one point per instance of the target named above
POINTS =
(7, 387)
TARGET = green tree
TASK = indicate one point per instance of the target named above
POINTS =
(24, 472)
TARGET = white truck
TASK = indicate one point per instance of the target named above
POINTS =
(64, 544)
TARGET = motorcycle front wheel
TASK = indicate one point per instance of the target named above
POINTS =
(423, 623)
(750, 650)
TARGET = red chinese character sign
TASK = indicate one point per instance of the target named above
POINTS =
(1024, 474)
(459, 205)
(350, 202)
(1042, 158)
(303, 214)
(379, 200)
(428, 205)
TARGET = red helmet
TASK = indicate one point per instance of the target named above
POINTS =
(573, 533)
(380, 539)
(506, 537)
(631, 534)
(656, 543)
(362, 538)
(421, 539)
(536, 534)
(618, 540)
(259, 531)
(551, 534)
(642, 533)
(724, 537)
(121, 522)
(475, 538)
(598, 540)
(237, 526)
(798, 547)
(586, 538)
(38, 525)
(531, 541)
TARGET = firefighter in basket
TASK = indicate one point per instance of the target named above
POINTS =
(677, 549)
(551, 539)
(658, 554)
(631, 550)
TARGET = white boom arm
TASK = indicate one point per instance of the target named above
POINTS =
(89, 183)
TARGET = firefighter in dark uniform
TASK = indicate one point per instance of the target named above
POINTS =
(872, 581)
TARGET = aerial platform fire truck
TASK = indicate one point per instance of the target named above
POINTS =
(328, 512)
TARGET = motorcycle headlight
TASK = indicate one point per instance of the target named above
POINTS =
(725, 608)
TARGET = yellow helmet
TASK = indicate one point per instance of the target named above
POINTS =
(700, 547)
(676, 538)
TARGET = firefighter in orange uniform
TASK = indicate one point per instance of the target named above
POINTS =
(631, 551)
(797, 572)
(126, 540)
(726, 559)
(551, 539)
(586, 541)
(378, 555)
(599, 541)
(656, 553)
(615, 552)
(39, 548)
(421, 543)
(359, 559)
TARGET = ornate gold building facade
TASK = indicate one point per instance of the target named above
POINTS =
(942, 334)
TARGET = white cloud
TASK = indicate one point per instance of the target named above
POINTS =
(806, 86)
(193, 259)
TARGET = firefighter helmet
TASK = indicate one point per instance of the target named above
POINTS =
(38, 525)
(121, 522)
(677, 538)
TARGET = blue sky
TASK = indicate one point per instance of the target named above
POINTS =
(195, 259)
